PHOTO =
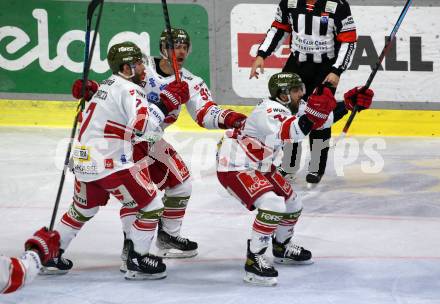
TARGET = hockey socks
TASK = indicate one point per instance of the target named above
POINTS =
(169, 242)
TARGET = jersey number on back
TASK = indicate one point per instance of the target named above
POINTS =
(86, 122)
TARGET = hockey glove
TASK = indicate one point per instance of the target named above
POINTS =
(175, 94)
(358, 96)
(45, 242)
(319, 106)
(91, 88)
(229, 119)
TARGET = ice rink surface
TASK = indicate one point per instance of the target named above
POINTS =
(373, 226)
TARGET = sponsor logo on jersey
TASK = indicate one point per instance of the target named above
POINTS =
(279, 110)
(163, 86)
(101, 94)
(108, 163)
(140, 93)
(152, 82)
(123, 159)
(108, 82)
(324, 18)
(81, 153)
(292, 3)
(348, 24)
(153, 97)
(85, 169)
(189, 78)
(269, 110)
(330, 7)
(131, 92)
(223, 161)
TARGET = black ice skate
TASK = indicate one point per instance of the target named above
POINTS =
(124, 254)
(289, 253)
(144, 267)
(174, 246)
(259, 271)
(57, 266)
(313, 179)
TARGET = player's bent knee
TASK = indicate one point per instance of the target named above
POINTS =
(87, 214)
(183, 189)
(294, 203)
(271, 202)
(155, 205)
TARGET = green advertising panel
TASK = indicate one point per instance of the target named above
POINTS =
(42, 41)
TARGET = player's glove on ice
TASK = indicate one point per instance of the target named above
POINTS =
(45, 242)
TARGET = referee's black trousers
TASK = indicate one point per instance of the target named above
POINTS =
(312, 74)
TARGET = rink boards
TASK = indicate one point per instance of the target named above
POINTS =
(379, 122)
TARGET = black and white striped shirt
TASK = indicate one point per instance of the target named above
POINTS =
(325, 31)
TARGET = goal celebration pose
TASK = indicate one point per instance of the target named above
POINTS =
(246, 167)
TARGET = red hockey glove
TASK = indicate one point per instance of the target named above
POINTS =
(319, 106)
(357, 96)
(174, 95)
(45, 242)
(91, 88)
(229, 119)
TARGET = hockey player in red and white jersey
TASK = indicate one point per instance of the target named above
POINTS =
(113, 122)
(18, 272)
(167, 169)
(246, 163)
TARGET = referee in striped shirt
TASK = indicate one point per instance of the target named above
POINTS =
(322, 42)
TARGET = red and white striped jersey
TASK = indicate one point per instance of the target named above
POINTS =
(259, 144)
(117, 116)
(16, 272)
(200, 106)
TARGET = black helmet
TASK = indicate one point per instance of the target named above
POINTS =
(282, 83)
(122, 53)
(178, 35)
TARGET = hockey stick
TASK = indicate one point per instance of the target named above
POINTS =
(87, 62)
(385, 50)
(170, 42)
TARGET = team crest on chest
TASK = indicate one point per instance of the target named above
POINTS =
(330, 7)
(292, 3)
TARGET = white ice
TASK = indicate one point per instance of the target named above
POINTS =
(374, 232)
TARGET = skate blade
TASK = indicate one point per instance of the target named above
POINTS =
(123, 267)
(52, 271)
(252, 278)
(286, 261)
(140, 276)
(176, 253)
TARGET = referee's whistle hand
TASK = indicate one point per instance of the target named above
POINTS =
(333, 79)
(258, 63)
